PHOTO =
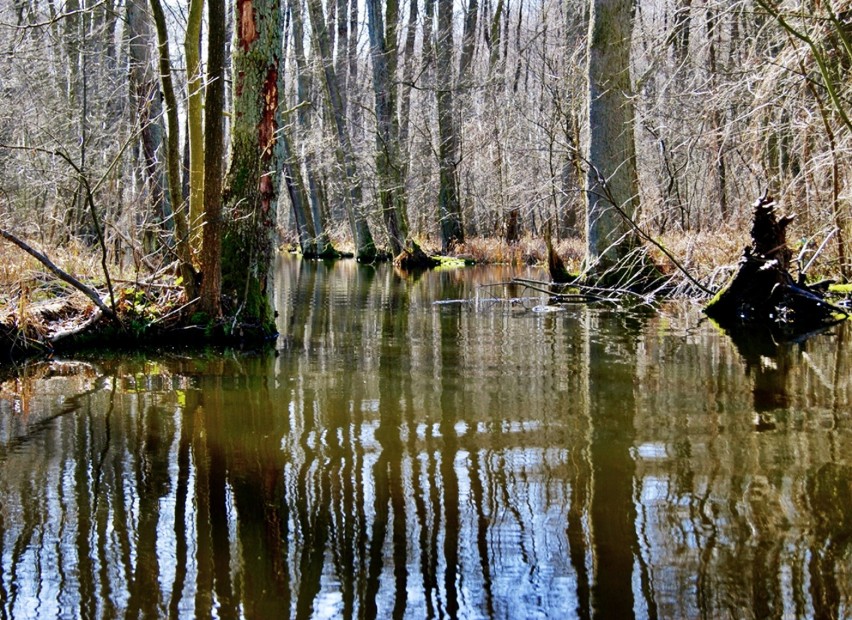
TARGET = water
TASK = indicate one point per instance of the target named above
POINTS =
(482, 457)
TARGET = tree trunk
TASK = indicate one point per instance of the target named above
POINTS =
(468, 41)
(407, 80)
(214, 147)
(298, 198)
(449, 207)
(365, 247)
(611, 179)
(388, 164)
(321, 243)
(182, 245)
(251, 190)
(147, 108)
(195, 119)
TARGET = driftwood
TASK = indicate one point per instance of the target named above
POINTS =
(763, 293)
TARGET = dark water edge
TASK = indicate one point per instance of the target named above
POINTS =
(479, 457)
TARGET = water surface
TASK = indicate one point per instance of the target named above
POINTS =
(481, 457)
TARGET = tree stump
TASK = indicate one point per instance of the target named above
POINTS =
(763, 293)
(413, 258)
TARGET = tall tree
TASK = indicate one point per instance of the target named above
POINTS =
(251, 191)
(449, 206)
(146, 99)
(214, 147)
(383, 54)
(365, 247)
(611, 178)
(181, 240)
(195, 118)
(315, 219)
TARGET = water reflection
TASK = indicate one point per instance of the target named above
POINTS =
(403, 459)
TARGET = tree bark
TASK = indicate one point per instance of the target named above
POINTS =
(321, 243)
(449, 206)
(388, 162)
(147, 108)
(251, 192)
(611, 178)
(214, 146)
(182, 245)
(195, 120)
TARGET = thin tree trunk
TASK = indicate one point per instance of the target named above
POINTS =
(298, 198)
(321, 242)
(195, 119)
(214, 150)
(182, 246)
(147, 108)
(407, 85)
(449, 207)
(468, 41)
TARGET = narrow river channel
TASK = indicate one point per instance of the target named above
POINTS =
(440, 446)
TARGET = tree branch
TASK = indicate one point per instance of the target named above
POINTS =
(62, 275)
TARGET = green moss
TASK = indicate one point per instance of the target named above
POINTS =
(840, 289)
(453, 262)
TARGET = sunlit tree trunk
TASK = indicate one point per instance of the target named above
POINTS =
(449, 206)
(388, 163)
(195, 119)
(214, 151)
(365, 247)
(251, 190)
(321, 243)
(147, 106)
(611, 179)
(181, 241)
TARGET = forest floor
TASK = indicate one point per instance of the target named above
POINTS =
(39, 313)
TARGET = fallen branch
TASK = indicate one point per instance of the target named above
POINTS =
(62, 334)
(62, 275)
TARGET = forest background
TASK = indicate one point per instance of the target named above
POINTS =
(143, 140)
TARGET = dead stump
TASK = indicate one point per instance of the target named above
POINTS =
(763, 293)
(413, 258)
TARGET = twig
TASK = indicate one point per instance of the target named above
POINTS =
(818, 251)
(175, 311)
(98, 230)
(62, 275)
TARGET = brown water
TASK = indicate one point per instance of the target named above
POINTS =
(402, 458)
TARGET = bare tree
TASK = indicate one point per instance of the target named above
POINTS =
(611, 179)
(449, 206)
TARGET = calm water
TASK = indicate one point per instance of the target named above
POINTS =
(402, 458)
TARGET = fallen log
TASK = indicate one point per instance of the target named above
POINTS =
(763, 293)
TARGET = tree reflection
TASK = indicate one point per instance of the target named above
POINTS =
(403, 459)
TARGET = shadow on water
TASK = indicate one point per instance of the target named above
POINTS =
(405, 459)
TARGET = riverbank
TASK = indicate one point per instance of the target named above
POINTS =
(40, 315)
